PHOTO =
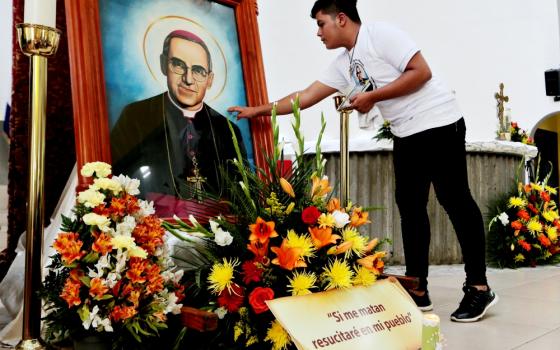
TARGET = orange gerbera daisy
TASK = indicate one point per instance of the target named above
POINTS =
(68, 245)
(97, 288)
(262, 231)
(288, 258)
(71, 292)
(359, 217)
(102, 243)
(322, 236)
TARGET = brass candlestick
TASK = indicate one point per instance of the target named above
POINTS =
(37, 42)
(344, 155)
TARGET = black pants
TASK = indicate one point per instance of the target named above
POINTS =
(437, 156)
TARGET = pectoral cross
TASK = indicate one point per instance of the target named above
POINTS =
(197, 180)
(501, 98)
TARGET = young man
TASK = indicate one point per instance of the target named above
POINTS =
(429, 144)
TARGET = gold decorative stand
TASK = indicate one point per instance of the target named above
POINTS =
(37, 42)
(344, 154)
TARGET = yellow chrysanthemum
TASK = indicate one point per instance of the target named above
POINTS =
(326, 220)
(534, 225)
(519, 257)
(550, 190)
(359, 242)
(364, 277)
(337, 275)
(552, 233)
(221, 275)
(302, 242)
(536, 187)
(550, 215)
(278, 336)
(301, 283)
(517, 202)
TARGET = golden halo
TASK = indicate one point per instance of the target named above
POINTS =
(214, 48)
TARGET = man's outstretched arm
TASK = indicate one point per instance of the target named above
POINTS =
(307, 98)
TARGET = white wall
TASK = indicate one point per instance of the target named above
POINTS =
(5, 54)
(473, 45)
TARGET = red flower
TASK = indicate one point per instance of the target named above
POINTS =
(310, 215)
(545, 241)
(522, 214)
(258, 298)
(251, 272)
(532, 208)
(545, 196)
(516, 225)
(232, 298)
(524, 245)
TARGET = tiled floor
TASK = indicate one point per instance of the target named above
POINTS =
(527, 316)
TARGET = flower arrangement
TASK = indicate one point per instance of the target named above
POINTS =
(384, 131)
(111, 275)
(287, 236)
(519, 135)
(524, 230)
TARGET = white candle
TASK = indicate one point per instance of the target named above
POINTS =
(40, 12)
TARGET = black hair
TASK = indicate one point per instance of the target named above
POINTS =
(334, 7)
(179, 34)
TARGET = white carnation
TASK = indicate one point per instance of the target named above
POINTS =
(91, 198)
(221, 237)
(146, 208)
(100, 169)
(123, 242)
(102, 222)
(105, 183)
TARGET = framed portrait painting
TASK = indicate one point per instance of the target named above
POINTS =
(151, 84)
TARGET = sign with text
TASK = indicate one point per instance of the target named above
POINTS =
(382, 316)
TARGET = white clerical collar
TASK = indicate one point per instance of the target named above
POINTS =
(186, 113)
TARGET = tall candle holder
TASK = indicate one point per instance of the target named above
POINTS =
(38, 42)
(344, 154)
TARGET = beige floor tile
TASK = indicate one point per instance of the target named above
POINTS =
(545, 290)
(549, 341)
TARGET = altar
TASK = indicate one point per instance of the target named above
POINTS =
(492, 169)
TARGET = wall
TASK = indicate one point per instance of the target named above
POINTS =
(5, 55)
(473, 45)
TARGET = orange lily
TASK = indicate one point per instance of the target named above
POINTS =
(322, 236)
(262, 231)
(288, 258)
(333, 204)
(359, 217)
(373, 262)
(341, 248)
(287, 187)
(97, 288)
(319, 187)
(371, 245)
(259, 249)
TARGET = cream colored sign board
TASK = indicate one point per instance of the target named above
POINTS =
(382, 316)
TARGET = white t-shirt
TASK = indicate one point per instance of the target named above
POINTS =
(381, 55)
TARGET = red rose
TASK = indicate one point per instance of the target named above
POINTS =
(310, 215)
(231, 299)
(258, 298)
